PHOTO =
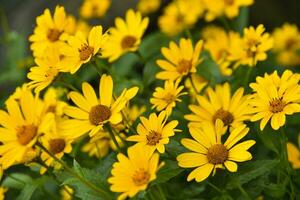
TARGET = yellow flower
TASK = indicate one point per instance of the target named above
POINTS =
(66, 192)
(18, 92)
(252, 47)
(148, 6)
(2, 193)
(195, 85)
(74, 26)
(80, 49)
(100, 143)
(92, 112)
(286, 44)
(180, 60)
(94, 8)
(154, 132)
(49, 32)
(52, 104)
(274, 97)
(126, 36)
(229, 8)
(219, 104)
(165, 98)
(133, 173)
(21, 126)
(46, 70)
(133, 112)
(209, 153)
(294, 154)
(56, 143)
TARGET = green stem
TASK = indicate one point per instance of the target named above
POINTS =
(97, 68)
(140, 56)
(193, 85)
(188, 34)
(243, 191)
(71, 87)
(247, 77)
(215, 187)
(112, 135)
(74, 174)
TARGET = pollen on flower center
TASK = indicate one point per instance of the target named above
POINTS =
(53, 34)
(128, 42)
(229, 2)
(51, 109)
(226, 117)
(26, 133)
(276, 105)
(169, 98)
(85, 52)
(153, 138)
(99, 114)
(290, 43)
(140, 177)
(57, 145)
(184, 66)
(217, 154)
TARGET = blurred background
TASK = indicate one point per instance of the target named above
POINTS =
(17, 21)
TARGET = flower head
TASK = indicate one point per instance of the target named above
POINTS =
(140, 169)
(274, 97)
(209, 153)
(219, 104)
(80, 49)
(94, 8)
(294, 154)
(91, 112)
(180, 60)
(126, 36)
(148, 6)
(154, 133)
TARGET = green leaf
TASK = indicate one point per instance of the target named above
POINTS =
(242, 20)
(77, 168)
(150, 70)
(124, 65)
(168, 171)
(28, 191)
(16, 180)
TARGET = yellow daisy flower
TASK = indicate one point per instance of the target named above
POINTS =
(294, 154)
(100, 143)
(209, 153)
(154, 132)
(133, 173)
(49, 32)
(92, 112)
(16, 95)
(181, 60)
(126, 36)
(74, 26)
(252, 47)
(45, 72)
(219, 104)
(52, 104)
(80, 49)
(180, 15)
(56, 143)
(66, 192)
(148, 6)
(274, 97)
(229, 8)
(286, 44)
(195, 85)
(165, 98)
(20, 127)
(94, 8)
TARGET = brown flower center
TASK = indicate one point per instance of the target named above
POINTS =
(276, 105)
(128, 42)
(184, 66)
(57, 145)
(290, 43)
(153, 138)
(217, 154)
(140, 177)
(169, 98)
(53, 34)
(26, 133)
(85, 52)
(51, 109)
(229, 2)
(99, 114)
(226, 117)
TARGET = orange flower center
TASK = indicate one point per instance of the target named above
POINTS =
(153, 138)
(140, 177)
(26, 133)
(128, 42)
(57, 145)
(184, 66)
(51, 109)
(169, 98)
(99, 114)
(290, 43)
(85, 52)
(217, 154)
(229, 2)
(226, 117)
(277, 105)
(53, 34)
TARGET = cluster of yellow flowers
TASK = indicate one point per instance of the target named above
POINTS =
(39, 127)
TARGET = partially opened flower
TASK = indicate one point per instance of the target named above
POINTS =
(294, 154)
(209, 152)
(91, 112)
(133, 174)
(154, 133)
(80, 49)
(181, 60)
(126, 36)
(274, 97)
